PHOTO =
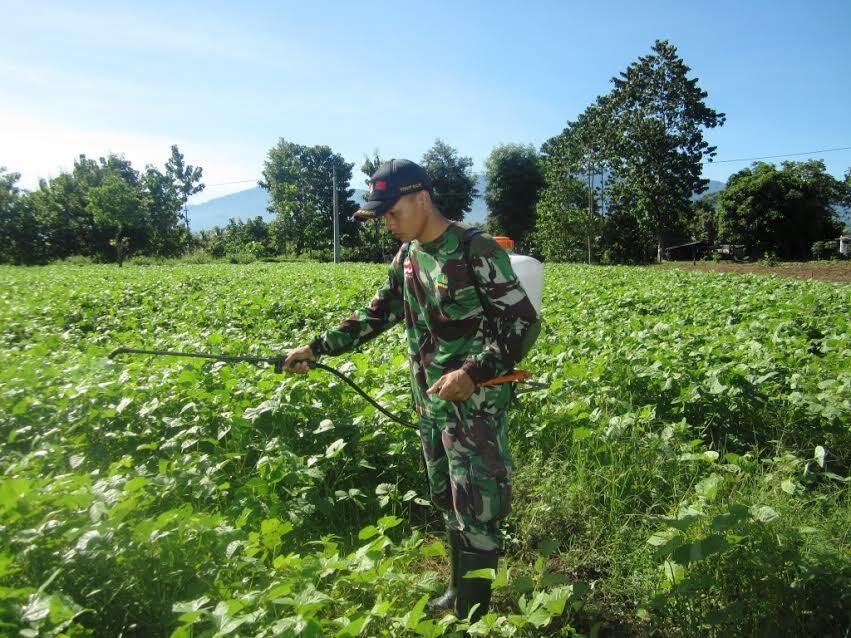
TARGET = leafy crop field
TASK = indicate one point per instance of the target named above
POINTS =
(685, 474)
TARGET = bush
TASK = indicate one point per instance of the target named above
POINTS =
(199, 256)
(77, 260)
(241, 257)
(828, 249)
(148, 260)
(768, 259)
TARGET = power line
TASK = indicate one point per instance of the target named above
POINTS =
(752, 159)
(240, 181)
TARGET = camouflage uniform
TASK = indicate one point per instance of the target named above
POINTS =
(465, 442)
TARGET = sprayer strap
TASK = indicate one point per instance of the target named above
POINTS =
(487, 309)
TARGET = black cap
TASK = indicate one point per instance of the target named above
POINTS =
(391, 181)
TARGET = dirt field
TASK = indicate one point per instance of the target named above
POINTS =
(839, 271)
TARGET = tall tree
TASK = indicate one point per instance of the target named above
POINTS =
(168, 234)
(117, 205)
(659, 115)
(299, 181)
(186, 179)
(781, 211)
(514, 182)
(452, 178)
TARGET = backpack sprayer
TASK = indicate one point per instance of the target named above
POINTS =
(278, 364)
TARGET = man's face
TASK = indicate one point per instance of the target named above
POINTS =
(407, 218)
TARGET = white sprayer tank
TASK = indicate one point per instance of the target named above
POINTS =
(529, 271)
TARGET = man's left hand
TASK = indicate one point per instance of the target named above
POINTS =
(453, 386)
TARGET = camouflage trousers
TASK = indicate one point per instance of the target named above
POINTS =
(469, 473)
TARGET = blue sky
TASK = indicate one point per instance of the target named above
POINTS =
(224, 81)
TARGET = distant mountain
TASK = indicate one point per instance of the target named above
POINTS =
(252, 203)
(246, 204)
(478, 210)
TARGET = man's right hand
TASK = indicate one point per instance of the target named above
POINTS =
(297, 359)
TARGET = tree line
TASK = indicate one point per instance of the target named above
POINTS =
(101, 209)
(617, 185)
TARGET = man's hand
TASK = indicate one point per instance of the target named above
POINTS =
(297, 359)
(453, 386)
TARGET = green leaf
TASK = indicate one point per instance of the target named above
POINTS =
(335, 448)
(764, 514)
(547, 547)
(819, 455)
(368, 532)
(388, 522)
(488, 573)
(413, 617)
(324, 426)
(192, 605)
(699, 549)
(708, 487)
(434, 549)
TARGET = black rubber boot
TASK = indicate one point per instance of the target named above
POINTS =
(446, 602)
(474, 590)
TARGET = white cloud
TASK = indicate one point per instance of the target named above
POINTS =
(39, 148)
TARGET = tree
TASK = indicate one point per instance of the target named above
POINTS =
(781, 211)
(514, 182)
(703, 224)
(118, 205)
(186, 179)
(453, 181)
(581, 149)
(847, 202)
(299, 181)
(658, 114)
(60, 206)
(167, 233)
(20, 238)
(61, 219)
(375, 233)
(560, 217)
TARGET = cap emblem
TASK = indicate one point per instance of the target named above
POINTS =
(377, 185)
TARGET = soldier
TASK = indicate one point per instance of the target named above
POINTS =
(464, 428)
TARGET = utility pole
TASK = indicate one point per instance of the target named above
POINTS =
(336, 218)
(591, 224)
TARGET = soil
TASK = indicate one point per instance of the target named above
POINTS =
(837, 271)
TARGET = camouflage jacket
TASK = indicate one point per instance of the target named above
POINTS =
(429, 286)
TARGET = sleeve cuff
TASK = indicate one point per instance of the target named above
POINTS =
(476, 371)
(317, 346)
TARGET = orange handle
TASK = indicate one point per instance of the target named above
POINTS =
(517, 375)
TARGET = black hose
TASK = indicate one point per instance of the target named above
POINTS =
(356, 388)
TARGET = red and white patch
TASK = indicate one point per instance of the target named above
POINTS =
(377, 185)
(409, 268)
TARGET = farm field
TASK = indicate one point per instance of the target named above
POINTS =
(837, 271)
(685, 474)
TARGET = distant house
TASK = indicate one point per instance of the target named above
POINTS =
(695, 250)
(736, 252)
(692, 250)
(845, 246)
